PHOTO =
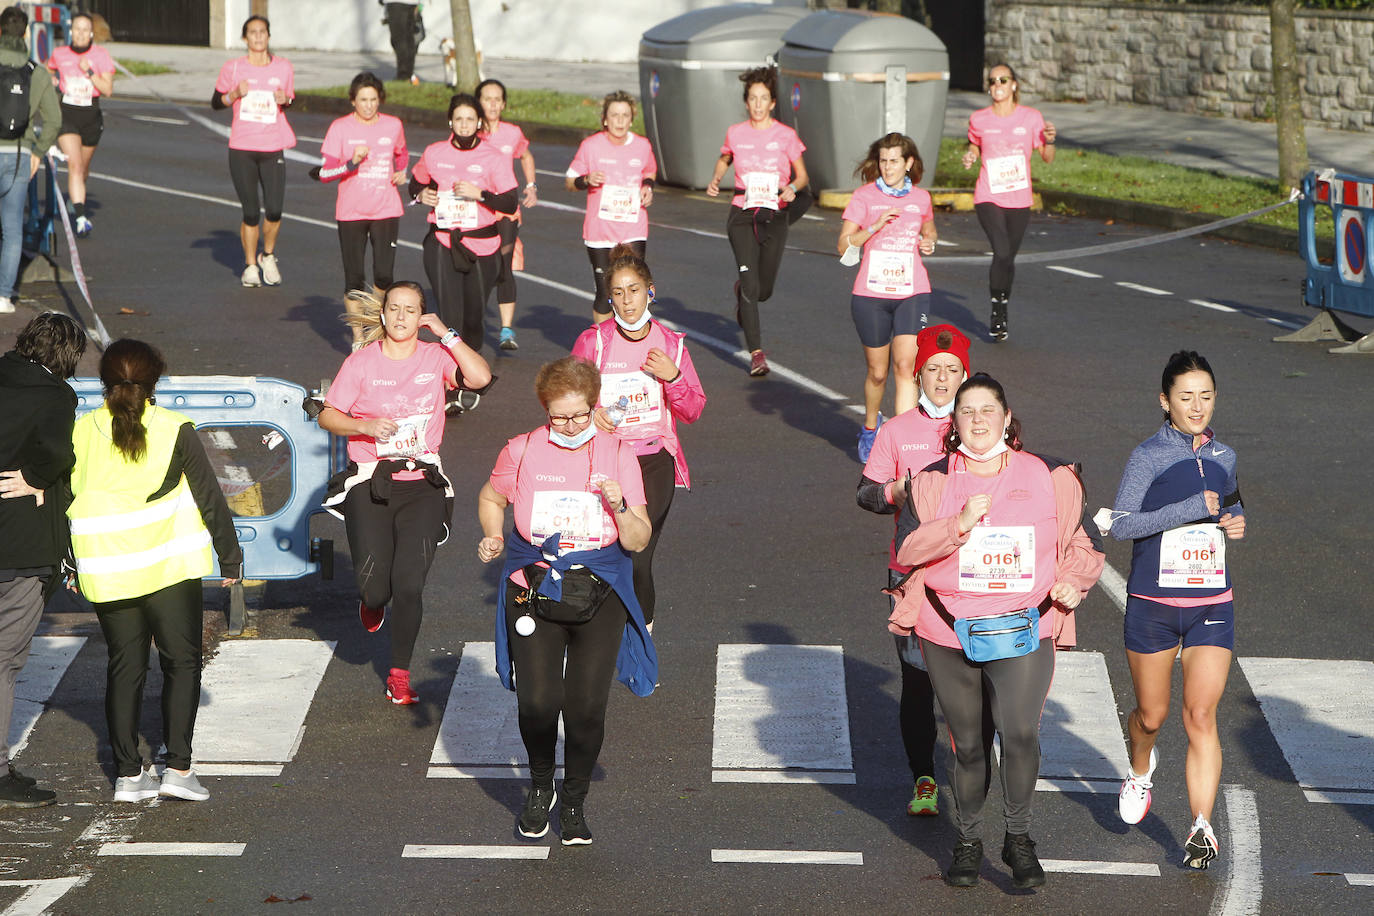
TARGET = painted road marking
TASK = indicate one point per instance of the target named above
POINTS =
(1115, 587)
(1075, 272)
(1085, 867)
(780, 707)
(1126, 284)
(474, 852)
(41, 895)
(49, 658)
(786, 857)
(1242, 890)
(1321, 714)
(254, 698)
(1212, 305)
(814, 777)
(171, 849)
(479, 736)
(1360, 880)
(1339, 798)
(1080, 734)
(154, 119)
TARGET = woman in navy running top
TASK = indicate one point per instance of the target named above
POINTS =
(1179, 503)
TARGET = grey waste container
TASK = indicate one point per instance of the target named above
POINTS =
(847, 77)
(689, 69)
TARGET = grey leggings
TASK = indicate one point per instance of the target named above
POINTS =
(1016, 689)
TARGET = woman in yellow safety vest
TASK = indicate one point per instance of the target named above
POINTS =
(145, 512)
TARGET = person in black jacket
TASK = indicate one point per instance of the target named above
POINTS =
(35, 463)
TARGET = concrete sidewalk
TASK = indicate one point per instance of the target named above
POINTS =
(1243, 148)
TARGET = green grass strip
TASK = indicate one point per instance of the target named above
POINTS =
(142, 67)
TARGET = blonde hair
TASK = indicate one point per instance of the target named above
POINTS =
(364, 311)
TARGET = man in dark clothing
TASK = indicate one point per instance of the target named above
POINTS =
(401, 17)
(36, 460)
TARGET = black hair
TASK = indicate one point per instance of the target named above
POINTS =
(367, 80)
(489, 82)
(129, 370)
(14, 21)
(868, 169)
(982, 380)
(765, 75)
(249, 21)
(54, 341)
(464, 98)
(1181, 363)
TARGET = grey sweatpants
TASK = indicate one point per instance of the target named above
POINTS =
(21, 606)
(1016, 688)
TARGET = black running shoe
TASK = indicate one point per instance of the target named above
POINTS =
(574, 824)
(963, 870)
(15, 793)
(1018, 851)
(534, 820)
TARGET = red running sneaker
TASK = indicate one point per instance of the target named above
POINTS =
(758, 364)
(398, 688)
(371, 617)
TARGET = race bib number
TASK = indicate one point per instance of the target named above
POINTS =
(619, 203)
(642, 392)
(452, 212)
(1007, 173)
(1192, 556)
(575, 515)
(761, 190)
(258, 106)
(890, 272)
(408, 440)
(998, 559)
(80, 91)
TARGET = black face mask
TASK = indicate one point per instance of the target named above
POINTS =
(82, 49)
(465, 143)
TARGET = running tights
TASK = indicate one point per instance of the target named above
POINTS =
(601, 263)
(354, 234)
(917, 717)
(758, 248)
(1016, 689)
(546, 686)
(393, 545)
(1005, 228)
(250, 169)
(659, 486)
(505, 279)
(461, 298)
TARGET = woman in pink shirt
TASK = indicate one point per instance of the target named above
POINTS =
(83, 72)
(259, 87)
(365, 152)
(510, 141)
(892, 220)
(999, 555)
(769, 171)
(394, 497)
(647, 366)
(616, 168)
(1005, 134)
(566, 613)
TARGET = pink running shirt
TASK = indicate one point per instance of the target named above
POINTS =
(508, 139)
(908, 443)
(891, 267)
(766, 154)
(72, 81)
(484, 166)
(259, 122)
(613, 211)
(1005, 145)
(368, 193)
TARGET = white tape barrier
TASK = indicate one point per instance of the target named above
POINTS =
(101, 334)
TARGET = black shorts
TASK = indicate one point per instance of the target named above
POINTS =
(84, 120)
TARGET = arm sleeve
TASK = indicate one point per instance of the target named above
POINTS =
(217, 99)
(189, 459)
(1080, 551)
(51, 456)
(1230, 497)
(881, 468)
(505, 202)
(50, 112)
(400, 154)
(921, 537)
(686, 398)
(1135, 482)
(872, 496)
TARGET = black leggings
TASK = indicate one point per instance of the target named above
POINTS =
(393, 545)
(172, 617)
(249, 169)
(1016, 688)
(758, 248)
(601, 262)
(1005, 228)
(354, 234)
(461, 298)
(659, 486)
(545, 687)
(505, 280)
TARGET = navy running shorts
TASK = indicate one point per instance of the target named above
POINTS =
(1153, 627)
(880, 320)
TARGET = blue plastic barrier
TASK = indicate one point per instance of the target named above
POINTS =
(1346, 282)
(263, 447)
(49, 26)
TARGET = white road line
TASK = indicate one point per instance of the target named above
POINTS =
(480, 729)
(1243, 888)
(238, 769)
(171, 849)
(450, 771)
(1074, 271)
(1217, 306)
(1339, 798)
(41, 895)
(1114, 585)
(1321, 713)
(786, 857)
(1126, 284)
(1284, 324)
(1360, 880)
(812, 777)
(49, 658)
(780, 707)
(154, 119)
(1086, 867)
(114, 826)
(419, 851)
(1080, 735)
(1079, 786)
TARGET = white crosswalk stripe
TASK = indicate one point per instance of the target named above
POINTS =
(1081, 746)
(49, 657)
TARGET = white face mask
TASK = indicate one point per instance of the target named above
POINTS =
(938, 413)
(992, 453)
(643, 320)
(565, 441)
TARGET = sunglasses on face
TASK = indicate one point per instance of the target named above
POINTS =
(995, 80)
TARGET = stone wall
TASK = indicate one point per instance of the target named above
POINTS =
(1211, 60)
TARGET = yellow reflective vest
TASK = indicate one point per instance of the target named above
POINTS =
(125, 545)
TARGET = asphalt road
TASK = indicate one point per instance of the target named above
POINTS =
(768, 549)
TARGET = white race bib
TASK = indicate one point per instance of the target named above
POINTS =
(619, 203)
(258, 106)
(1192, 556)
(80, 90)
(452, 212)
(1007, 173)
(761, 190)
(998, 559)
(890, 272)
(642, 392)
(574, 514)
(408, 440)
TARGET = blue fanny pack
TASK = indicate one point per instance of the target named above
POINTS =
(987, 639)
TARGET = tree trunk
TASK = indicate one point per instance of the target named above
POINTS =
(464, 49)
(1283, 39)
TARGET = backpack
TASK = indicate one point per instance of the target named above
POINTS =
(14, 99)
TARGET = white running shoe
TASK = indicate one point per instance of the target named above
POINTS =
(271, 274)
(1202, 846)
(83, 227)
(1134, 801)
(136, 788)
(252, 277)
(187, 787)
(6, 305)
